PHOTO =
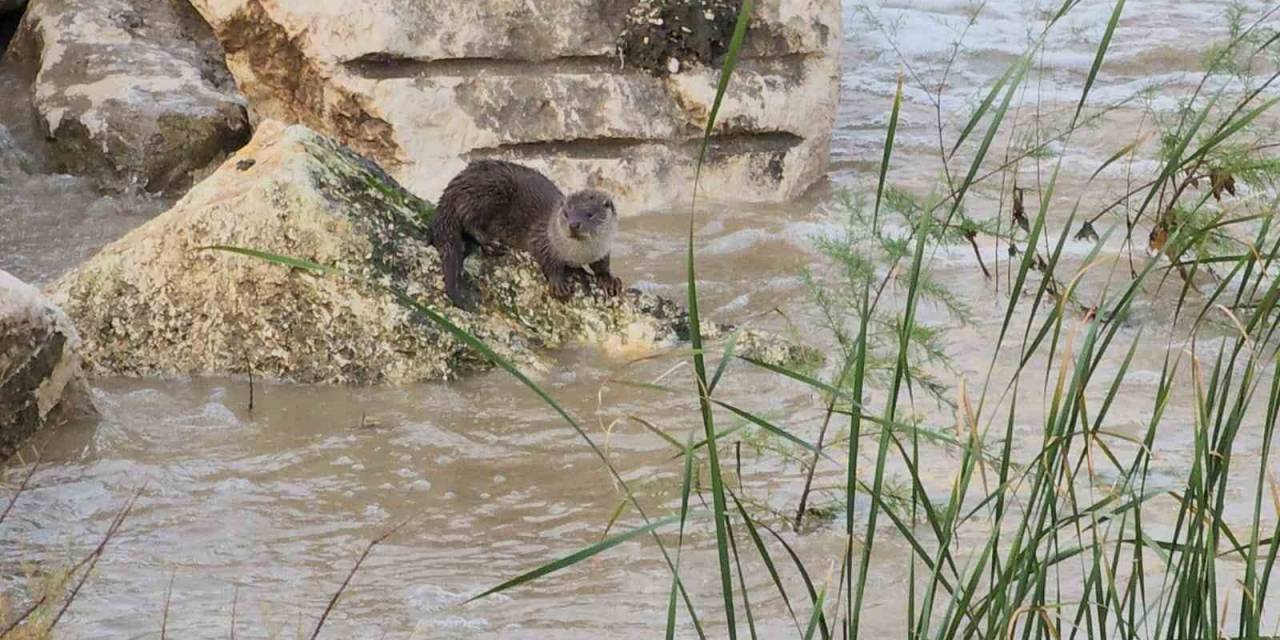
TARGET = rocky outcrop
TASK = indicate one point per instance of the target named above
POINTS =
(159, 302)
(422, 86)
(40, 379)
(130, 92)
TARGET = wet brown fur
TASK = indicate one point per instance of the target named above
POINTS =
(495, 205)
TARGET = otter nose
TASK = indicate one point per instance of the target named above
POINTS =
(575, 226)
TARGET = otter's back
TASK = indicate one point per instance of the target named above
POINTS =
(496, 200)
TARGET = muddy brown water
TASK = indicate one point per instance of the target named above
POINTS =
(264, 512)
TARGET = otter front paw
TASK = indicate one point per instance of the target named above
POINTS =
(463, 300)
(561, 288)
(467, 304)
(611, 285)
(494, 250)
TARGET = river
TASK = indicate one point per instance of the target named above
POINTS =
(264, 511)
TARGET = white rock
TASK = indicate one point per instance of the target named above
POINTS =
(422, 86)
(130, 91)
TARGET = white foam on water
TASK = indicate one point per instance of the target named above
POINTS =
(431, 628)
(1156, 45)
(736, 241)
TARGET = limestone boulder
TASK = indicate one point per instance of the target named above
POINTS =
(159, 301)
(423, 86)
(130, 92)
(40, 377)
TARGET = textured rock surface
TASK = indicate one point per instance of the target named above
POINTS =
(40, 379)
(156, 303)
(423, 85)
(13, 160)
(130, 92)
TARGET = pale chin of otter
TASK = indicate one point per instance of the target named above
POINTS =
(584, 249)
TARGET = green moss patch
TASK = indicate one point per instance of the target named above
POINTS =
(665, 36)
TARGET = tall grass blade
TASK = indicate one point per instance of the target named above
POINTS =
(888, 155)
(1099, 57)
(804, 576)
(766, 557)
(851, 464)
(686, 485)
(773, 429)
(577, 556)
(817, 614)
(695, 327)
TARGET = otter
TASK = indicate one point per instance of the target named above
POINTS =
(497, 205)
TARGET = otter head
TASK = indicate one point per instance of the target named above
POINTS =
(587, 213)
(582, 231)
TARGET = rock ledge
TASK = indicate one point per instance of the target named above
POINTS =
(157, 302)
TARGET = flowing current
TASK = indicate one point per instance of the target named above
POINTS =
(263, 512)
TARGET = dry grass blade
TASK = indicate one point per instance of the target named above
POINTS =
(91, 560)
(333, 602)
(235, 604)
(35, 606)
(22, 487)
(168, 598)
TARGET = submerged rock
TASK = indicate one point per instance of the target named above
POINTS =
(158, 302)
(130, 91)
(14, 161)
(40, 378)
(423, 86)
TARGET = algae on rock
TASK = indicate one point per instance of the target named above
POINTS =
(665, 36)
